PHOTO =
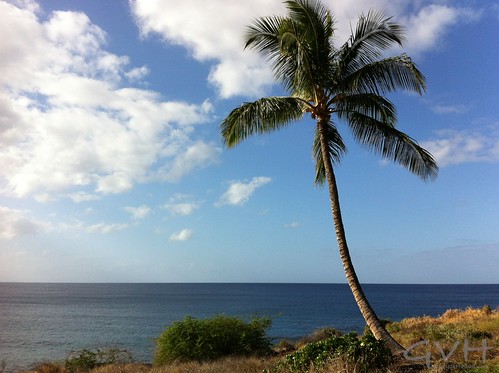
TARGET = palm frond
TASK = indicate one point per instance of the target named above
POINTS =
(294, 65)
(388, 75)
(374, 34)
(261, 116)
(277, 39)
(262, 36)
(336, 149)
(317, 21)
(369, 104)
(297, 46)
(393, 145)
(314, 28)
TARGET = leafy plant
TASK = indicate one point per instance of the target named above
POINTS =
(85, 360)
(365, 354)
(193, 339)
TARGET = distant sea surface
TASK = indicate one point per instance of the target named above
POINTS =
(42, 322)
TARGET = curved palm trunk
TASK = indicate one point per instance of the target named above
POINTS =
(368, 313)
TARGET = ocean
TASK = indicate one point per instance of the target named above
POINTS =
(42, 322)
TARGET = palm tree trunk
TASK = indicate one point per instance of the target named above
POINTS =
(368, 313)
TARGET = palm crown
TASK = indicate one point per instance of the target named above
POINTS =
(349, 82)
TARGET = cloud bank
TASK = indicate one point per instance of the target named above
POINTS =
(452, 147)
(74, 121)
(189, 23)
(71, 119)
(15, 222)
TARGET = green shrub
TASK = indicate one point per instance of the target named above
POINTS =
(202, 340)
(85, 360)
(365, 354)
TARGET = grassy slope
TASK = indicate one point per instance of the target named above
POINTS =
(450, 331)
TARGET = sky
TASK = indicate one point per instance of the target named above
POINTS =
(112, 167)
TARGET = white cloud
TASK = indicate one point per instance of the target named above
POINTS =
(182, 235)
(184, 209)
(236, 72)
(139, 212)
(14, 223)
(78, 226)
(68, 122)
(31, 5)
(239, 192)
(453, 147)
(137, 74)
(190, 23)
(117, 182)
(449, 109)
(181, 205)
(83, 197)
(194, 156)
(105, 228)
(292, 225)
(427, 27)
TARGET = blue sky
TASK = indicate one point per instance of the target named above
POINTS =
(112, 168)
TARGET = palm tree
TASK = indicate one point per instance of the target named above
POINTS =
(348, 83)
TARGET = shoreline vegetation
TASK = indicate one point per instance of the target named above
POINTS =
(456, 341)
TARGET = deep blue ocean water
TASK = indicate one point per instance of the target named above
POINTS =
(45, 322)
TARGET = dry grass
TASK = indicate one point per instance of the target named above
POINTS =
(469, 315)
(252, 365)
(227, 365)
(468, 323)
(451, 328)
(125, 368)
(240, 365)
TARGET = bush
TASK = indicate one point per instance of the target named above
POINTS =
(85, 360)
(202, 340)
(366, 354)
